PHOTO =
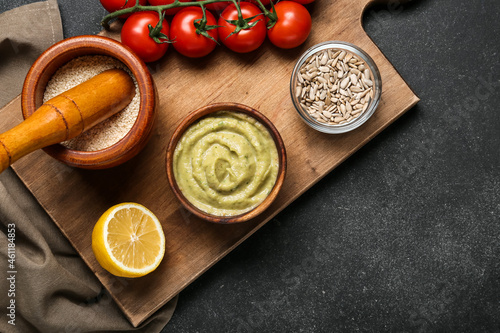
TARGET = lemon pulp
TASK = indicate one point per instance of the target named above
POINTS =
(128, 240)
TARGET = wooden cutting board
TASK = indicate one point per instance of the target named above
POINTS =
(76, 198)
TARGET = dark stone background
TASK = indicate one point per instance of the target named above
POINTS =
(403, 236)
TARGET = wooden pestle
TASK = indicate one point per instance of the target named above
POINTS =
(68, 115)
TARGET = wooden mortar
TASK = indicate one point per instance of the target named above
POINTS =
(60, 54)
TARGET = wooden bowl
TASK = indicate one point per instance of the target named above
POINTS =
(202, 112)
(58, 55)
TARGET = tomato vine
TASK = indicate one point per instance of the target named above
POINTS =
(176, 4)
(287, 24)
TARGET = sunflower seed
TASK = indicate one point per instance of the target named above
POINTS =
(355, 71)
(327, 114)
(321, 79)
(354, 79)
(334, 62)
(367, 74)
(344, 83)
(298, 93)
(324, 59)
(312, 93)
(320, 107)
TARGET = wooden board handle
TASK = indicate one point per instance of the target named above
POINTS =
(68, 115)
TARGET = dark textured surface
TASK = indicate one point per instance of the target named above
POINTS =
(402, 237)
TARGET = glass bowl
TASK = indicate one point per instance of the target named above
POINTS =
(372, 100)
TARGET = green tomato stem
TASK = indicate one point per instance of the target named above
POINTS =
(241, 21)
(272, 16)
(139, 8)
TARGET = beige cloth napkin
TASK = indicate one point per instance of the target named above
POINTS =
(25, 32)
(54, 290)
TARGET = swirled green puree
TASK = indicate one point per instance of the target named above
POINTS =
(226, 164)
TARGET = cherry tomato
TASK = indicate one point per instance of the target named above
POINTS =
(114, 5)
(183, 31)
(217, 6)
(170, 11)
(135, 34)
(246, 40)
(303, 2)
(292, 27)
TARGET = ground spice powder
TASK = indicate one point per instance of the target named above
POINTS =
(113, 129)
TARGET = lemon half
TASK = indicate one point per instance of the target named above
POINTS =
(128, 240)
